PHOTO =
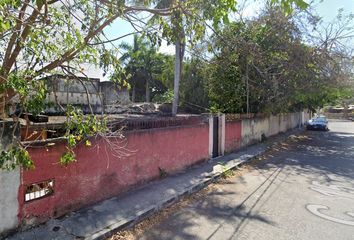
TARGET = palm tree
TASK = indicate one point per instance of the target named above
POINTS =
(141, 61)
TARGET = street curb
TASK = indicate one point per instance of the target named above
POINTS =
(149, 211)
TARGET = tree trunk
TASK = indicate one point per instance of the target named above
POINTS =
(345, 109)
(5, 100)
(247, 89)
(177, 77)
(2, 106)
(133, 93)
(147, 91)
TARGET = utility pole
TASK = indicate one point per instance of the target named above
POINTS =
(147, 91)
(247, 89)
(177, 76)
(179, 53)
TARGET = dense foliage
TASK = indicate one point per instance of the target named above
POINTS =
(43, 37)
(261, 65)
(144, 69)
(264, 65)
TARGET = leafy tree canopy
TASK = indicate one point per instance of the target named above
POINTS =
(43, 37)
(263, 65)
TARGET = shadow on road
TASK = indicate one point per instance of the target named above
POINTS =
(326, 157)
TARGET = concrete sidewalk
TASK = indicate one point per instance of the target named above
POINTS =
(103, 219)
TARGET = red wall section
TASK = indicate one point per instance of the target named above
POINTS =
(99, 174)
(232, 135)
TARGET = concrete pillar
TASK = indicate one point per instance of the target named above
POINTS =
(9, 184)
(221, 134)
(211, 133)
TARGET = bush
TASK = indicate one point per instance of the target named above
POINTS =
(166, 97)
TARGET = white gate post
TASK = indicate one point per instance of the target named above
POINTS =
(221, 134)
(211, 134)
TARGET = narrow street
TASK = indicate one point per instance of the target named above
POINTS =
(302, 191)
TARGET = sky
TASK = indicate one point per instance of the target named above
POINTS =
(326, 9)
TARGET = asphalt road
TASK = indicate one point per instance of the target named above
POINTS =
(304, 190)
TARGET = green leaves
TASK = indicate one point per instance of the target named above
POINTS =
(80, 127)
(32, 94)
(39, 2)
(67, 157)
(15, 156)
(265, 63)
(54, 36)
(288, 5)
(166, 97)
(143, 64)
(4, 25)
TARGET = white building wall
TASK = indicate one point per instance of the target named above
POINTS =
(9, 207)
(74, 98)
(9, 183)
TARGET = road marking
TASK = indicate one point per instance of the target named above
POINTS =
(314, 208)
(292, 159)
(333, 190)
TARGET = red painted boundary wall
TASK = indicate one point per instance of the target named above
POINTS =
(99, 174)
(233, 135)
